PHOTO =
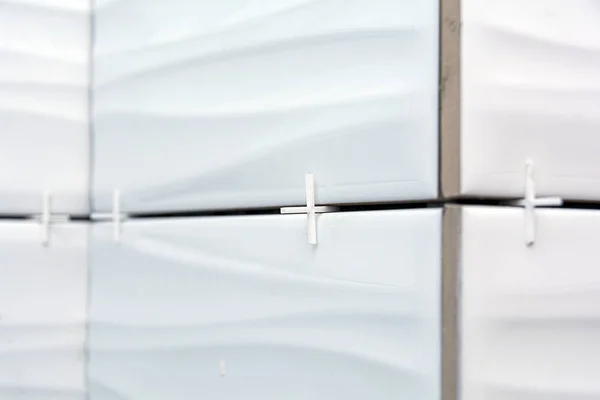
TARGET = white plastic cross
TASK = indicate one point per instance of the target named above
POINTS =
(310, 210)
(114, 216)
(117, 216)
(45, 217)
(530, 202)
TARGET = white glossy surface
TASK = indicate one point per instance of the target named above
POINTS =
(530, 316)
(43, 302)
(531, 89)
(44, 86)
(232, 105)
(218, 307)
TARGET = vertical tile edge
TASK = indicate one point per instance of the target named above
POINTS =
(450, 334)
(450, 110)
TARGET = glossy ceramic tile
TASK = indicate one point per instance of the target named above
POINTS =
(530, 315)
(530, 89)
(232, 105)
(43, 302)
(214, 307)
(44, 90)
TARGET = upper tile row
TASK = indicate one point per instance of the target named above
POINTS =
(198, 105)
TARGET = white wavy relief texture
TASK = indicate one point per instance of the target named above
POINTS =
(230, 103)
(213, 308)
(530, 316)
(43, 296)
(531, 89)
(44, 89)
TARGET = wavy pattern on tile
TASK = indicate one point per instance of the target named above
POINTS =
(42, 361)
(43, 292)
(232, 105)
(531, 86)
(537, 347)
(531, 316)
(171, 308)
(44, 86)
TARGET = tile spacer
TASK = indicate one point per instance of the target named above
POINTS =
(46, 218)
(117, 216)
(530, 202)
(310, 210)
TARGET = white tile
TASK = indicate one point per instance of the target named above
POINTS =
(43, 302)
(233, 104)
(530, 90)
(214, 307)
(530, 314)
(44, 90)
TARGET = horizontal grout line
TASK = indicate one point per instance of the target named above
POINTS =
(277, 210)
(475, 201)
(26, 217)
(11, 217)
(81, 218)
(583, 205)
(357, 207)
(390, 206)
(504, 202)
(205, 213)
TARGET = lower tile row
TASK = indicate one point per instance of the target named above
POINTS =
(417, 304)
